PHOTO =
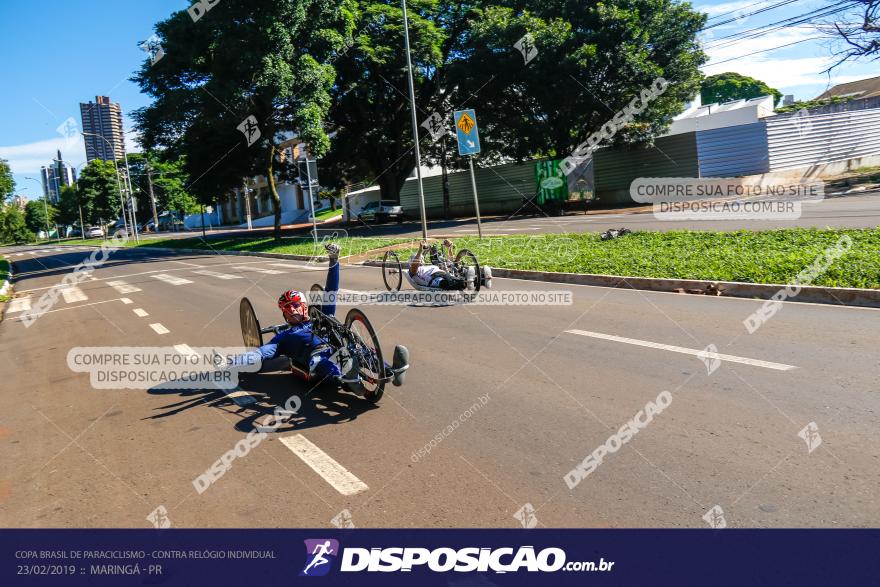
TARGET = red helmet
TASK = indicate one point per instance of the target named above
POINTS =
(294, 308)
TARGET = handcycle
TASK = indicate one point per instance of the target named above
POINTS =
(464, 268)
(353, 341)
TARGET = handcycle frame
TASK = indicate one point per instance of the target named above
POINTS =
(393, 270)
(367, 363)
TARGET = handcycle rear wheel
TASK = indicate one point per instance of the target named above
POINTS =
(250, 326)
(368, 353)
(392, 271)
(465, 259)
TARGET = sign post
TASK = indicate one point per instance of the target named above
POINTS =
(468, 135)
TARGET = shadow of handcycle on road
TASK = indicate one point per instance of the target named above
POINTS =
(263, 400)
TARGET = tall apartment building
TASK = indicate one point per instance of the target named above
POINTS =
(56, 176)
(104, 118)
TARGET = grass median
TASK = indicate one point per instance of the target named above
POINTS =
(773, 256)
(4, 275)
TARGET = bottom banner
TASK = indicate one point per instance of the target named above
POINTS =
(439, 557)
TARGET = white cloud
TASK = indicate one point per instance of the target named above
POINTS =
(725, 7)
(28, 158)
(801, 68)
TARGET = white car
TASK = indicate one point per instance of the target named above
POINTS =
(94, 232)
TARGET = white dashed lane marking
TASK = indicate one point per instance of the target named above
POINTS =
(171, 279)
(140, 312)
(19, 305)
(257, 270)
(125, 301)
(123, 287)
(218, 275)
(321, 463)
(684, 350)
(159, 328)
(73, 294)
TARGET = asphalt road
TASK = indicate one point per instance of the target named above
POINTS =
(841, 211)
(851, 211)
(76, 456)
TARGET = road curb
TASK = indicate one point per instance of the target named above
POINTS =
(838, 296)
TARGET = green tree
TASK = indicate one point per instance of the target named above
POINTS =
(371, 107)
(584, 64)
(169, 180)
(98, 191)
(7, 184)
(13, 229)
(35, 215)
(68, 206)
(262, 61)
(725, 87)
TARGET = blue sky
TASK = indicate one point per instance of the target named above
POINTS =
(59, 53)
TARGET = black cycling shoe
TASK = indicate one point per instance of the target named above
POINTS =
(400, 365)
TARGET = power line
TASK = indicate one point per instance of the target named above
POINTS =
(764, 51)
(748, 14)
(737, 10)
(782, 24)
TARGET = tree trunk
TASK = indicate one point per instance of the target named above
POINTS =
(276, 199)
(390, 186)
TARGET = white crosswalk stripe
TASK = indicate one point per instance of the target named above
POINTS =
(257, 269)
(19, 305)
(171, 279)
(73, 294)
(140, 312)
(308, 267)
(159, 328)
(218, 275)
(122, 287)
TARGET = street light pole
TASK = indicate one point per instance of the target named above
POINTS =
(118, 183)
(130, 197)
(415, 126)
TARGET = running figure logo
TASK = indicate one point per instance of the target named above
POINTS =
(319, 554)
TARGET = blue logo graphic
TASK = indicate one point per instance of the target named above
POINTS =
(320, 554)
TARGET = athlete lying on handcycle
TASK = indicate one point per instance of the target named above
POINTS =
(298, 341)
(436, 274)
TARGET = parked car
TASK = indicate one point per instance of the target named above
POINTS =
(94, 232)
(381, 211)
(168, 221)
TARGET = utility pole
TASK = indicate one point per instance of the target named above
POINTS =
(247, 204)
(152, 196)
(311, 196)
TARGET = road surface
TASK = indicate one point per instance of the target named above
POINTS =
(556, 383)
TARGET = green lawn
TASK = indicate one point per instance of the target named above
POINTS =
(328, 214)
(4, 275)
(774, 256)
(291, 246)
